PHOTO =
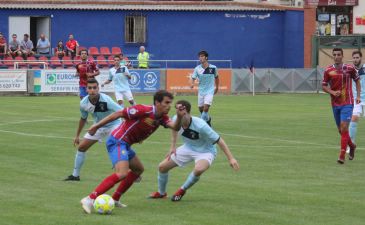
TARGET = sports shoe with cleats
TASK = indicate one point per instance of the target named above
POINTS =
(87, 204)
(157, 194)
(72, 178)
(178, 195)
(352, 152)
(341, 158)
(118, 204)
(209, 122)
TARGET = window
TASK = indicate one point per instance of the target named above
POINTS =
(135, 29)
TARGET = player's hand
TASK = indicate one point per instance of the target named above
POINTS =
(76, 141)
(192, 86)
(358, 100)
(180, 111)
(92, 130)
(336, 93)
(171, 152)
(234, 164)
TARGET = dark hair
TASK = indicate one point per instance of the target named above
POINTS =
(26, 35)
(205, 53)
(92, 81)
(14, 35)
(338, 50)
(84, 50)
(184, 103)
(357, 52)
(118, 56)
(159, 96)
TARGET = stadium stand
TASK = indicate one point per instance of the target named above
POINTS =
(55, 62)
(94, 51)
(67, 62)
(105, 51)
(116, 51)
(102, 62)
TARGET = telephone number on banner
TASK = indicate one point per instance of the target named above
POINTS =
(8, 86)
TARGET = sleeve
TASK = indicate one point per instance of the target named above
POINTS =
(94, 67)
(110, 75)
(84, 114)
(165, 120)
(77, 68)
(216, 72)
(209, 134)
(326, 78)
(112, 105)
(195, 74)
(31, 45)
(136, 111)
(354, 75)
(126, 71)
(39, 40)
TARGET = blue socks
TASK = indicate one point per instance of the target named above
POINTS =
(353, 131)
(162, 182)
(204, 116)
(79, 161)
(190, 181)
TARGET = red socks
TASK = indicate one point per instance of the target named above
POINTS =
(105, 185)
(125, 185)
(345, 140)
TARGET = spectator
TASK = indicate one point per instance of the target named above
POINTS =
(43, 45)
(72, 46)
(26, 47)
(60, 50)
(3, 47)
(143, 58)
(14, 47)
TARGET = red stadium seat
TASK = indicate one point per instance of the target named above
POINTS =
(105, 51)
(94, 51)
(116, 51)
(111, 60)
(102, 61)
(67, 61)
(20, 61)
(9, 62)
(33, 62)
(55, 62)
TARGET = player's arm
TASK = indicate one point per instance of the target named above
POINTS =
(232, 161)
(193, 78)
(82, 123)
(174, 134)
(176, 125)
(216, 81)
(92, 130)
(358, 90)
(95, 73)
(326, 88)
(106, 82)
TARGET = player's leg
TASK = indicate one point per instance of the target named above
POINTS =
(117, 151)
(345, 117)
(354, 120)
(163, 176)
(119, 98)
(83, 92)
(136, 169)
(208, 100)
(85, 144)
(128, 95)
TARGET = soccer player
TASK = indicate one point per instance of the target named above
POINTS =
(140, 121)
(85, 70)
(358, 108)
(207, 75)
(100, 106)
(337, 83)
(120, 75)
(199, 146)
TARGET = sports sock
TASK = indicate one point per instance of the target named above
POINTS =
(125, 185)
(105, 185)
(345, 140)
(204, 116)
(79, 161)
(162, 182)
(190, 181)
(353, 131)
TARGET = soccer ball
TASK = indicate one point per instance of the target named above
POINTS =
(104, 204)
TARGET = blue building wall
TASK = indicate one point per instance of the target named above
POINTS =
(264, 38)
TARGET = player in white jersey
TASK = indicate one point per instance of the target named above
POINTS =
(207, 75)
(100, 106)
(119, 74)
(199, 146)
(358, 108)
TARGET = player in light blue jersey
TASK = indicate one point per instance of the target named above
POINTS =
(358, 108)
(199, 146)
(207, 75)
(100, 106)
(119, 74)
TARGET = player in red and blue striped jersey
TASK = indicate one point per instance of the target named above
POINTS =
(140, 121)
(337, 82)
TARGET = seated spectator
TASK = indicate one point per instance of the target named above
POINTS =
(71, 46)
(3, 47)
(26, 47)
(143, 58)
(43, 45)
(60, 50)
(125, 61)
(14, 47)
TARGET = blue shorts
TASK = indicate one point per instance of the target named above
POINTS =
(342, 113)
(83, 91)
(119, 150)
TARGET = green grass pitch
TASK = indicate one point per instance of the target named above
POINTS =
(287, 146)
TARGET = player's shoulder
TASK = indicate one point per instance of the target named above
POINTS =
(212, 66)
(112, 70)
(329, 68)
(142, 107)
(349, 66)
(198, 122)
(198, 67)
(105, 97)
(84, 100)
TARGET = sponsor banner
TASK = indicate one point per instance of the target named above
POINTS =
(331, 2)
(67, 81)
(13, 80)
(179, 80)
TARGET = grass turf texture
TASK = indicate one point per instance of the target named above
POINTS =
(287, 147)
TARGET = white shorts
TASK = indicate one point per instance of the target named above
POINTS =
(184, 155)
(358, 110)
(100, 134)
(205, 100)
(120, 95)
